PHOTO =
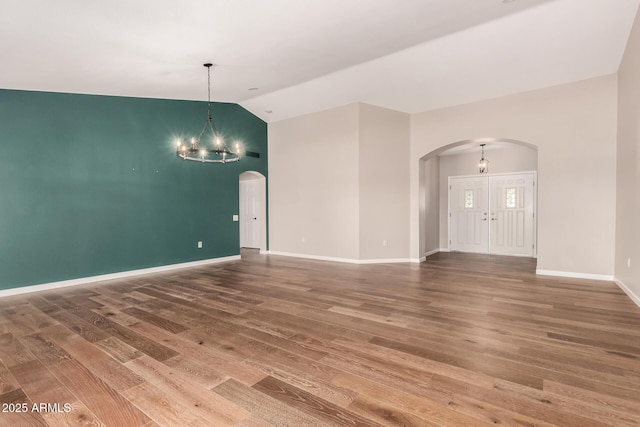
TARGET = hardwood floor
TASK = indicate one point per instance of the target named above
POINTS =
(461, 340)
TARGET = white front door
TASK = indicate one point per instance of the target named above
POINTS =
(250, 214)
(512, 214)
(493, 214)
(469, 213)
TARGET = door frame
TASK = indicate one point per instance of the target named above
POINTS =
(262, 203)
(535, 206)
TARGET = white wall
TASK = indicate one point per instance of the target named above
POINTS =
(574, 128)
(432, 204)
(315, 161)
(628, 170)
(313, 184)
(516, 158)
(384, 183)
(340, 180)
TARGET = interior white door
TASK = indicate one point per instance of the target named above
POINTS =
(469, 211)
(512, 209)
(250, 214)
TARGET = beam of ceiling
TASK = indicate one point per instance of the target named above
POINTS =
(306, 56)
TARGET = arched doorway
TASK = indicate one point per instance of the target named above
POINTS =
(460, 159)
(253, 210)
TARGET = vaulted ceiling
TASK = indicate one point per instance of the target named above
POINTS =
(283, 58)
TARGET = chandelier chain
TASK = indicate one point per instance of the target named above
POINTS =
(209, 92)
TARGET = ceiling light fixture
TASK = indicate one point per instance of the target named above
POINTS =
(196, 149)
(484, 163)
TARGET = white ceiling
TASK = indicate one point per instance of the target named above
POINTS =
(309, 55)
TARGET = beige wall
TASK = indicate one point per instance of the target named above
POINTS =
(516, 158)
(384, 183)
(330, 184)
(628, 170)
(432, 204)
(313, 184)
(574, 128)
(339, 179)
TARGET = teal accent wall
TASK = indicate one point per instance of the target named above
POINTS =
(91, 185)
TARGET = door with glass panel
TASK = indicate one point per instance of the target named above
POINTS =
(469, 214)
(493, 214)
(512, 204)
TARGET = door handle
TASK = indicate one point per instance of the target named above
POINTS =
(494, 219)
(483, 219)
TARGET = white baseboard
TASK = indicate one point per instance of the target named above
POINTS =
(387, 261)
(435, 251)
(314, 257)
(120, 275)
(344, 260)
(635, 298)
(429, 253)
(575, 275)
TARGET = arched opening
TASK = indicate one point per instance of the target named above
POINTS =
(253, 210)
(461, 159)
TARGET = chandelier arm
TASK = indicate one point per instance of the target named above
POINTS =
(204, 129)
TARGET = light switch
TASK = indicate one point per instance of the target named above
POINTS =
(235, 218)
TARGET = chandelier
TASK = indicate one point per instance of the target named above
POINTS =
(208, 147)
(484, 163)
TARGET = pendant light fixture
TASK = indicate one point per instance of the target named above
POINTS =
(209, 146)
(484, 163)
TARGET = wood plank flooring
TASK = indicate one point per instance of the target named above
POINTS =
(461, 340)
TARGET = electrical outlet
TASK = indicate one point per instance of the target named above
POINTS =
(628, 262)
(384, 243)
(235, 218)
(303, 239)
(199, 245)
